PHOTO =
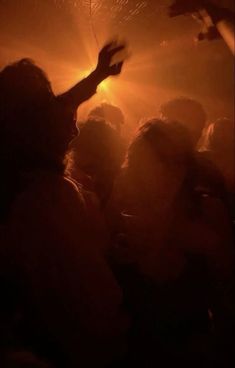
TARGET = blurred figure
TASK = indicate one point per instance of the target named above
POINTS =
(188, 112)
(67, 303)
(110, 113)
(98, 152)
(172, 249)
(192, 116)
(145, 165)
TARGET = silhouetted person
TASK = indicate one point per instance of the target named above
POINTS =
(190, 113)
(173, 248)
(27, 103)
(110, 113)
(68, 300)
(98, 152)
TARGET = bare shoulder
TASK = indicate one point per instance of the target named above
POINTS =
(49, 192)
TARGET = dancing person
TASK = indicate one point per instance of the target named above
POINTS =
(191, 114)
(69, 303)
(172, 248)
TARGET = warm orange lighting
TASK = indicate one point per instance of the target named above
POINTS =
(84, 73)
(104, 86)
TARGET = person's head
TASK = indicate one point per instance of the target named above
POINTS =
(98, 151)
(24, 82)
(32, 122)
(189, 113)
(159, 157)
(109, 113)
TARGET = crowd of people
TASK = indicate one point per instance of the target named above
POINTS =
(113, 253)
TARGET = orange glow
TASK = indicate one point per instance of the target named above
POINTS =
(83, 74)
(104, 87)
(165, 62)
(134, 91)
(137, 91)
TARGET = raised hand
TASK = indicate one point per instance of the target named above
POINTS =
(105, 66)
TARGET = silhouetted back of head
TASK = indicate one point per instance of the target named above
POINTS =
(98, 141)
(31, 119)
(109, 113)
(159, 164)
(98, 151)
(168, 142)
(188, 112)
(27, 130)
(23, 83)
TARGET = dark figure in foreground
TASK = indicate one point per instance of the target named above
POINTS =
(172, 252)
(68, 304)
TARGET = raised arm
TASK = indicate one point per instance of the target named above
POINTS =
(86, 88)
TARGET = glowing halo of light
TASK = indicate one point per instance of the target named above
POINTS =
(104, 86)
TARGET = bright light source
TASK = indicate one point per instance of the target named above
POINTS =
(104, 86)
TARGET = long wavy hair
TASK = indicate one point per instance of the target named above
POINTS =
(170, 142)
(30, 131)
